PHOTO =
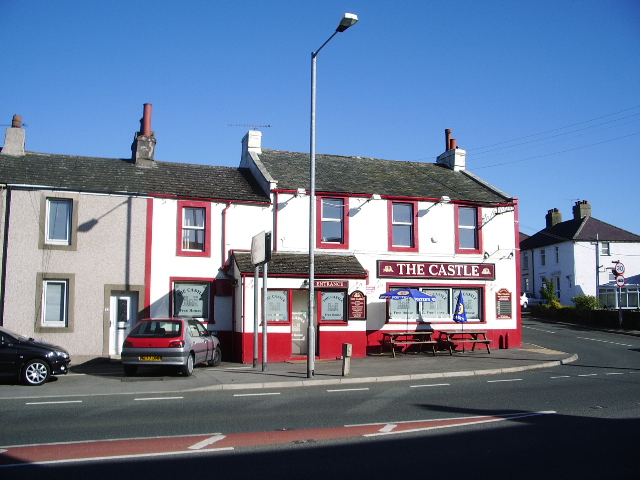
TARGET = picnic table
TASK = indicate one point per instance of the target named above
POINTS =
(406, 339)
(452, 338)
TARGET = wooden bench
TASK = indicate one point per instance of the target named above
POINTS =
(453, 338)
(410, 338)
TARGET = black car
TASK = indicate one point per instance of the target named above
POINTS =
(31, 361)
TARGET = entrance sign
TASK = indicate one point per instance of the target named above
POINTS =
(479, 271)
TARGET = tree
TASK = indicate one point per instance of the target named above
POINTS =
(548, 290)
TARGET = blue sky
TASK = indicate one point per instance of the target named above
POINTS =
(543, 95)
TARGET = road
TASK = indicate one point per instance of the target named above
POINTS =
(578, 420)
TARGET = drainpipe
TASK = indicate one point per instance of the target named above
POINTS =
(224, 233)
(5, 241)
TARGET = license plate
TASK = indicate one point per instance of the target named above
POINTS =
(151, 358)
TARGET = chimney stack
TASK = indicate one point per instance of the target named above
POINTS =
(144, 143)
(454, 158)
(553, 217)
(581, 209)
(14, 138)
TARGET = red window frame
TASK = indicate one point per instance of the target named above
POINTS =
(345, 223)
(398, 248)
(478, 248)
(207, 229)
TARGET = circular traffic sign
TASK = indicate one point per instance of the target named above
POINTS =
(620, 281)
(619, 268)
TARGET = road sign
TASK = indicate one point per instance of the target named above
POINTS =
(620, 281)
(619, 268)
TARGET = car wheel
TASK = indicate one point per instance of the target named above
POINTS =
(217, 357)
(130, 370)
(187, 369)
(36, 372)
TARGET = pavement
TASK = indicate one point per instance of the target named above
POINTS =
(371, 369)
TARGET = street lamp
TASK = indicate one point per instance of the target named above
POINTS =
(348, 20)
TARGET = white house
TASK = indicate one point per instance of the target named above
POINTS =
(580, 256)
(381, 225)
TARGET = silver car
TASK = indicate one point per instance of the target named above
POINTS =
(169, 341)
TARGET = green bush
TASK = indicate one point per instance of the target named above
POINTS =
(587, 302)
(548, 291)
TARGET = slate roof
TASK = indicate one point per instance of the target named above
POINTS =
(114, 175)
(358, 175)
(584, 229)
(297, 264)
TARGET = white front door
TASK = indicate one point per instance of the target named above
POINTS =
(123, 309)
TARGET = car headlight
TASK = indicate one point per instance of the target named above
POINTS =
(58, 353)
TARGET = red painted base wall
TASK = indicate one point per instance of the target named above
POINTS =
(330, 344)
(279, 346)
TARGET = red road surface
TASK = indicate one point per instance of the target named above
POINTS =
(155, 446)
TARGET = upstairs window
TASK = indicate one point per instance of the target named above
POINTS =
(58, 222)
(525, 261)
(468, 239)
(194, 229)
(333, 223)
(543, 257)
(605, 248)
(403, 235)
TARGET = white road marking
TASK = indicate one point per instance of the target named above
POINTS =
(605, 341)
(53, 403)
(562, 376)
(588, 375)
(207, 442)
(255, 394)
(387, 428)
(538, 329)
(157, 398)
(508, 380)
(347, 389)
(238, 368)
(615, 373)
(431, 385)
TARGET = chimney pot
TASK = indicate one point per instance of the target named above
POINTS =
(17, 121)
(447, 139)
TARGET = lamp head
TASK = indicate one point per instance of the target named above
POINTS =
(347, 21)
(445, 199)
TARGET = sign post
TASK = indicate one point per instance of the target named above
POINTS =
(260, 255)
(620, 282)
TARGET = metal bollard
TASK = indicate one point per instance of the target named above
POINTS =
(347, 351)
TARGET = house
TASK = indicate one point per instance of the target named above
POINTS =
(381, 225)
(90, 245)
(580, 256)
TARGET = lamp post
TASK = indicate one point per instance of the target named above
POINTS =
(348, 20)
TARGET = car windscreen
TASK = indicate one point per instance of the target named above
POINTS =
(157, 329)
